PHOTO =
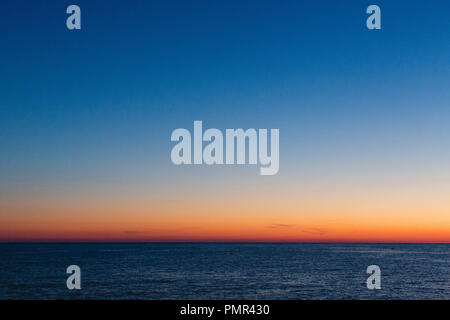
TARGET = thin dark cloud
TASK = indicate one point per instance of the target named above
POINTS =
(159, 230)
(315, 231)
(281, 225)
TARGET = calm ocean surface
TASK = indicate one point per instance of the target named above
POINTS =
(224, 271)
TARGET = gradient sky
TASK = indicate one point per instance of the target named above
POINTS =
(86, 118)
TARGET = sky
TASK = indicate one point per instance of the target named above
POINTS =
(86, 118)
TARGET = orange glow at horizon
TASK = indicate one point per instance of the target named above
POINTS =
(181, 215)
(234, 227)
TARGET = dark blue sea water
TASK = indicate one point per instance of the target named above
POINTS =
(224, 271)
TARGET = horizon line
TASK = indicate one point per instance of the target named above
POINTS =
(79, 241)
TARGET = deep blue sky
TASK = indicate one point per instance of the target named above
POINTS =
(102, 102)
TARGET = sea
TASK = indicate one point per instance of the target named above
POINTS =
(224, 270)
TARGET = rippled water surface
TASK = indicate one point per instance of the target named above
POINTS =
(224, 271)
